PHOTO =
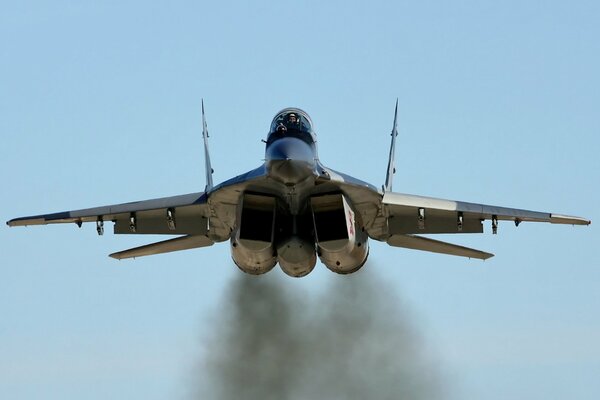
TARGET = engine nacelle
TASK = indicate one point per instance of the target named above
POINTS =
(341, 242)
(252, 246)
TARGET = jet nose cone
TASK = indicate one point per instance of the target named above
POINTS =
(290, 160)
(289, 148)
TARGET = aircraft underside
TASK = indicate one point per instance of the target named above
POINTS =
(270, 220)
(267, 234)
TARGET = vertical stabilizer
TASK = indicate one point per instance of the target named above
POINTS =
(391, 169)
(209, 170)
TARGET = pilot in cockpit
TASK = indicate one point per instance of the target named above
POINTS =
(292, 123)
(281, 127)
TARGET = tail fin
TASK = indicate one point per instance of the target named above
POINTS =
(391, 169)
(209, 170)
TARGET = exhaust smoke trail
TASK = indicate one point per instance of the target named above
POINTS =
(352, 341)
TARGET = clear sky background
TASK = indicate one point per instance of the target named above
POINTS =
(100, 104)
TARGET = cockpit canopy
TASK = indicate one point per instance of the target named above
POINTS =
(291, 122)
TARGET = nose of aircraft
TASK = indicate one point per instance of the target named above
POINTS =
(290, 160)
(290, 148)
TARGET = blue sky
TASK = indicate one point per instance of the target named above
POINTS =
(100, 104)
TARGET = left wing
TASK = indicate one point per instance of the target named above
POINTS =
(410, 214)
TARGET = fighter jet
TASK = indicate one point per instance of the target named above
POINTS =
(292, 209)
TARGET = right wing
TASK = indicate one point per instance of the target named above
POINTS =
(187, 215)
(177, 215)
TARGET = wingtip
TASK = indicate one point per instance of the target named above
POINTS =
(17, 222)
(13, 222)
(568, 220)
(116, 256)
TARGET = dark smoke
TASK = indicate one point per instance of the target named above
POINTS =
(353, 341)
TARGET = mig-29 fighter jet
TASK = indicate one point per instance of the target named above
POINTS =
(293, 208)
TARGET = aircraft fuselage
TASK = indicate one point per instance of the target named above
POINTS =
(294, 222)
